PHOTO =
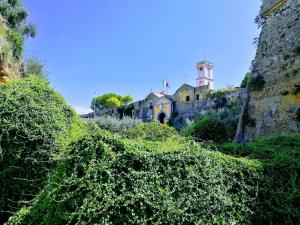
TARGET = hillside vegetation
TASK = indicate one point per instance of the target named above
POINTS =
(35, 127)
(110, 180)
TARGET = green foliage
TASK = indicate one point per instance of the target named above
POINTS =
(116, 125)
(113, 102)
(5, 52)
(279, 188)
(257, 83)
(35, 67)
(225, 111)
(107, 181)
(127, 99)
(153, 131)
(15, 17)
(17, 44)
(126, 110)
(221, 92)
(208, 128)
(110, 100)
(35, 126)
(246, 80)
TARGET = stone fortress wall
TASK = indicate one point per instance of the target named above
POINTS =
(276, 108)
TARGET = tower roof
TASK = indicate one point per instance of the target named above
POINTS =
(205, 62)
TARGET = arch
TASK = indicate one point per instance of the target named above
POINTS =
(161, 117)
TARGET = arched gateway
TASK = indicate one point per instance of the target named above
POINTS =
(161, 117)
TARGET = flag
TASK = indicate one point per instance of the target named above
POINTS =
(166, 83)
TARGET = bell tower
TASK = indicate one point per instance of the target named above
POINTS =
(205, 75)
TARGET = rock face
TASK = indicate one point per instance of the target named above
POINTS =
(9, 67)
(275, 108)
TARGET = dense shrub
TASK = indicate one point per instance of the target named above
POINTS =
(246, 80)
(153, 131)
(35, 67)
(35, 124)
(106, 181)
(209, 128)
(279, 188)
(221, 92)
(116, 125)
(257, 83)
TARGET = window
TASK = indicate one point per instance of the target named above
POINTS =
(201, 72)
(197, 97)
(187, 98)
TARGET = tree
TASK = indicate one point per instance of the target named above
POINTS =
(110, 100)
(127, 99)
(15, 16)
(35, 67)
(113, 102)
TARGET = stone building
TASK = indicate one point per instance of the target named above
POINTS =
(187, 101)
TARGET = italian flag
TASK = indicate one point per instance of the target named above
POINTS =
(166, 83)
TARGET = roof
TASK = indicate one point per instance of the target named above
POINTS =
(184, 85)
(205, 62)
(157, 94)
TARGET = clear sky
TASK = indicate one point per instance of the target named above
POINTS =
(127, 47)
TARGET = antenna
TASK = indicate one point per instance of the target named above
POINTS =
(204, 43)
(204, 50)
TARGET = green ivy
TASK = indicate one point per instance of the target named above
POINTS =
(108, 181)
(17, 42)
(279, 187)
(153, 131)
(35, 127)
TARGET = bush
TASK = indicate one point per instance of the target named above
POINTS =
(116, 125)
(246, 80)
(35, 67)
(207, 128)
(219, 93)
(257, 83)
(279, 187)
(153, 131)
(35, 125)
(106, 181)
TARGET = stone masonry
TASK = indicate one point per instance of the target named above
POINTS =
(276, 108)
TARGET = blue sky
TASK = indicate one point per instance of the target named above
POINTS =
(128, 46)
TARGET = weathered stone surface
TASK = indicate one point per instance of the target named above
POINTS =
(277, 60)
(9, 69)
(186, 103)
